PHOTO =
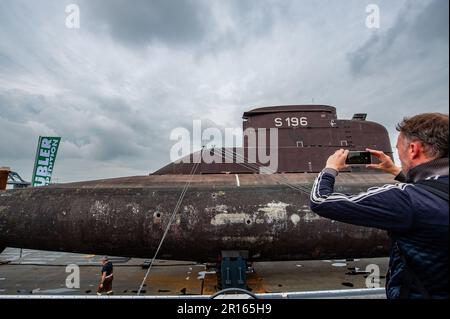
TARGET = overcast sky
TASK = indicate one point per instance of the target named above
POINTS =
(115, 88)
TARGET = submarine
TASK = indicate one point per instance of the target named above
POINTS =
(193, 210)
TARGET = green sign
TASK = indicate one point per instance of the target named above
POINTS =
(45, 160)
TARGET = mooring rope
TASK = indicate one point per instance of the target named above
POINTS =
(254, 167)
(172, 217)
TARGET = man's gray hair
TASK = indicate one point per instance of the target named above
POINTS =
(431, 129)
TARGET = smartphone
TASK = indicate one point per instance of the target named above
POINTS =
(358, 158)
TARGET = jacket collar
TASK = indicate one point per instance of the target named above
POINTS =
(437, 167)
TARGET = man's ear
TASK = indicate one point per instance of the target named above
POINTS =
(415, 150)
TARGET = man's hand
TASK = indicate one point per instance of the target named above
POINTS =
(337, 160)
(386, 164)
(101, 285)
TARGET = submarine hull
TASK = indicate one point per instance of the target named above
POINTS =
(128, 217)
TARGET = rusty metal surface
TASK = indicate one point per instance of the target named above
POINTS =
(4, 172)
(127, 217)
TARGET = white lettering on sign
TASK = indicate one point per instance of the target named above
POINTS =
(40, 181)
(291, 121)
(44, 153)
(46, 143)
(45, 161)
(42, 171)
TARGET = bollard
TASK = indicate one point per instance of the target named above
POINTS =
(4, 172)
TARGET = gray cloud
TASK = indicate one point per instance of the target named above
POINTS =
(432, 23)
(142, 22)
(413, 36)
(115, 88)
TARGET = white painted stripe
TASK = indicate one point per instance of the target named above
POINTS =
(317, 198)
(238, 183)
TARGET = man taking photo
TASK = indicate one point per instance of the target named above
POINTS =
(413, 211)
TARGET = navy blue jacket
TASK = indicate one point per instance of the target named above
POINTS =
(417, 219)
